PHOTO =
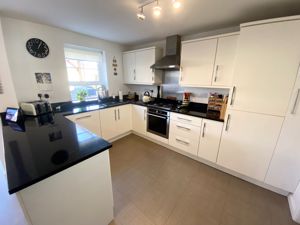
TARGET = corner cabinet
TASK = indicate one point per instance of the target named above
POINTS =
(136, 66)
(267, 61)
(208, 62)
(248, 142)
(115, 121)
(88, 120)
(285, 165)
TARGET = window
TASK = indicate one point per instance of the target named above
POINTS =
(85, 73)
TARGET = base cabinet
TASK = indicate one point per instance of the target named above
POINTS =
(184, 136)
(89, 121)
(210, 140)
(248, 142)
(115, 121)
(139, 119)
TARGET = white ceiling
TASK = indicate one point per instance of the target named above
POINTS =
(115, 20)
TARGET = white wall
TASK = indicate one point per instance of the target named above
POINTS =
(23, 65)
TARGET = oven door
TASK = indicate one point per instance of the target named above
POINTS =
(158, 125)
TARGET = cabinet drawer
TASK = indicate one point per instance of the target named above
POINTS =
(184, 130)
(186, 119)
(188, 145)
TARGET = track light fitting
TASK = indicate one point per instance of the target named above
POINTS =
(156, 9)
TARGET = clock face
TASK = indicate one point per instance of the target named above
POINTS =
(37, 48)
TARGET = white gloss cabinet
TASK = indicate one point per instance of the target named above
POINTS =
(225, 61)
(129, 67)
(185, 132)
(197, 61)
(268, 57)
(139, 119)
(115, 121)
(285, 165)
(88, 120)
(210, 137)
(248, 142)
(136, 66)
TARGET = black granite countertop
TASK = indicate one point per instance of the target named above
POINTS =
(43, 146)
(195, 109)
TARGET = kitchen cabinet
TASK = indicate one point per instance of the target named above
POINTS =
(210, 137)
(136, 66)
(285, 165)
(197, 61)
(268, 57)
(129, 67)
(88, 120)
(225, 61)
(184, 134)
(139, 119)
(115, 121)
(248, 142)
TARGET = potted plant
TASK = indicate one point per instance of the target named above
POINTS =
(81, 95)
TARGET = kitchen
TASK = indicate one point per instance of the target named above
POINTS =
(183, 128)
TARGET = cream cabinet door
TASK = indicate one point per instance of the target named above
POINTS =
(197, 61)
(108, 119)
(248, 142)
(210, 137)
(225, 61)
(129, 73)
(266, 67)
(88, 120)
(145, 59)
(123, 119)
(285, 166)
(139, 119)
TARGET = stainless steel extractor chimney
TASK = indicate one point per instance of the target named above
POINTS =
(173, 53)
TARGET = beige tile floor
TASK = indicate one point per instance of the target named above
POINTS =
(156, 186)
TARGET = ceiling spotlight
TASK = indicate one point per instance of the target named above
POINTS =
(140, 15)
(176, 4)
(157, 10)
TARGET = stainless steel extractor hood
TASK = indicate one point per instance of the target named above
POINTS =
(173, 53)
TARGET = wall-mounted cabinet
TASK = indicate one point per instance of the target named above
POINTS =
(208, 62)
(267, 61)
(136, 66)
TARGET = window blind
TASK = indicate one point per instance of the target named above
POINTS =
(82, 54)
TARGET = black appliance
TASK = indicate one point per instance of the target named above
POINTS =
(173, 54)
(158, 121)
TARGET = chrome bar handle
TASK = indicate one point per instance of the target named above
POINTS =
(233, 95)
(115, 115)
(296, 102)
(203, 131)
(145, 114)
(119, 114)
(181, 141)
(184, 128)
(83, 117)
(228, 122)
(216, 73)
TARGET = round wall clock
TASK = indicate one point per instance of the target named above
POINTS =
(37, 48)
